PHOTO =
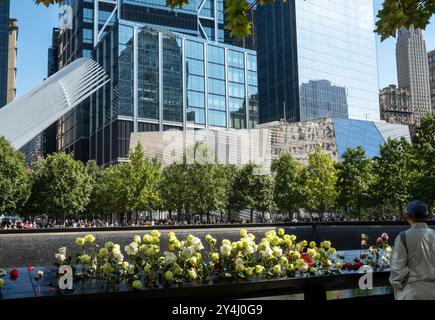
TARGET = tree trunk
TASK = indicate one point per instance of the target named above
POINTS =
(252, 215)
(208, 217)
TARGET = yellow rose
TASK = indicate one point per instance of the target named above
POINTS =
(281, 232)
(90, 238)
(190, 237)
(80, 241)
(226, 242)
(147, 268)
(169, 276)
(155, 233)
(284, 261)
(240, 267)
(107, 268)
(331, 251)
(104, 252)
(137, 239)
(193, 261)
(313, 244)
(259, 269)
(243, 233)
(137, 284)
(326, 244)
(249, 271)
(313, 270)
(2, 283)
(125, 265)
(338, 265)
(277, 269)
(215, 257)
(109, 245)
(85, 259)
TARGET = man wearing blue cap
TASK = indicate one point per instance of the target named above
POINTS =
(413, 260)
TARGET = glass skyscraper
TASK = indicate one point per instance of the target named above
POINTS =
(317, 59)
(182, 70)
(4, 36)
(162, 80)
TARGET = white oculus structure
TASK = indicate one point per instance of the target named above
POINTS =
(32, 113)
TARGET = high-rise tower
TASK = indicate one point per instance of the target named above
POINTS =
(413, 69)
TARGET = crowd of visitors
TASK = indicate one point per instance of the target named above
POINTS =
(17, 223)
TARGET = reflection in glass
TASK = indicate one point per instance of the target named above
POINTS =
(320, 99)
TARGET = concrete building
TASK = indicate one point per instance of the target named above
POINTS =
(268, 141)
(413, 70)
(396, 105)
(317, 58)
(431, 58)
(12, 60)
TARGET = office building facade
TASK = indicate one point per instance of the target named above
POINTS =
(162, 80)
(4, 50)
(396, 105)
(431, 59)
(413, 69)
(202, 20)
(317, 59)
(12, 60)
(49, 135)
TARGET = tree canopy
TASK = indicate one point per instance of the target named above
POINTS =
(393, 15)
(14, 179)
(61, 186)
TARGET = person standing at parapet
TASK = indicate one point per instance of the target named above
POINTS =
(413, 260)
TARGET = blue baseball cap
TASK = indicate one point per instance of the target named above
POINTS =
(417, 209)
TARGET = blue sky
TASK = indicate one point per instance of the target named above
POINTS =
(36, 23)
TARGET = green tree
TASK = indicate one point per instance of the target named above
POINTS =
(289, 186)
(393, 15)
(320, 181)
(396, 14)
(14, 178)
(95, 173)
(61, 186)
(354, 179)
(395, 169)
(423, 187)
(110, 194)
(251, 189)
(205, 180)
(140, 179)
(173, 188)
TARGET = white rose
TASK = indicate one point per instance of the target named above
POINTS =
(239, 261)
(304, 267)
(118, 257)
(188, 252)
(116, 249)
(250, 249)
(226, 250)
(277, 251)
(197, 244)
(169, 257)
(389, 250)
(131, 269)
(267, 253)
(60, 257)
(62, 251)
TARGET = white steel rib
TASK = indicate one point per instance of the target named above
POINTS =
(27, 116)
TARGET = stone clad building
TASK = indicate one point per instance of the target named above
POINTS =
(396, 105)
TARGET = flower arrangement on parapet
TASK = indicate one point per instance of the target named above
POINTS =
(377, 256)
(189, 261)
